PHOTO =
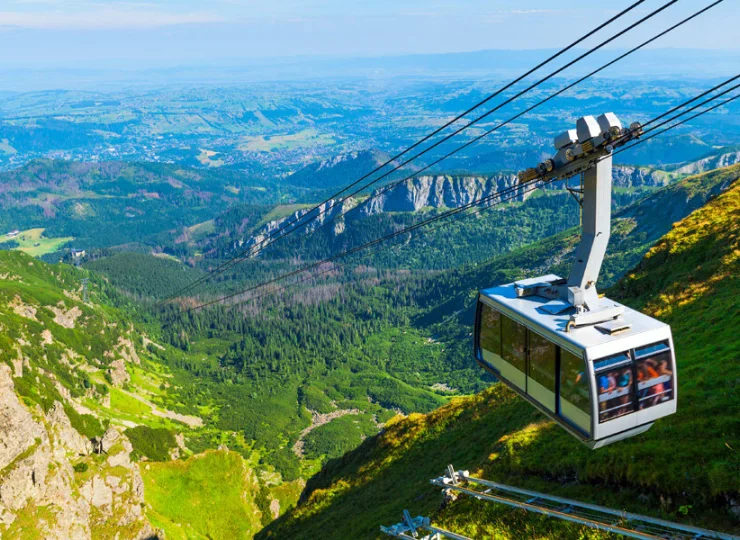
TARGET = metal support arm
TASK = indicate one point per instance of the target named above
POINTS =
(597, 191)
(587, 150)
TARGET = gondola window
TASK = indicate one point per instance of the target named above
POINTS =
(575, 405)
(490, 330)
(514, 349)
(542, 359)
(614, 379)
(654, 375)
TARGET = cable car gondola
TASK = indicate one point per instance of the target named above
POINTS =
(601, 370)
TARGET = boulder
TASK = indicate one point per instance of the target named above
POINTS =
(118, 374)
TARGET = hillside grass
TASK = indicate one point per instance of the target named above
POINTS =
(281, 211)
(207, 496)
(34, 243)
(685, 468)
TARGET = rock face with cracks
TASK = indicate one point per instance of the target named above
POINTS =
(39, 488)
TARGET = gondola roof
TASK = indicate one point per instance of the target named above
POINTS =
(536, 311)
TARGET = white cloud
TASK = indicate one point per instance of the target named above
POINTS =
(102, 19)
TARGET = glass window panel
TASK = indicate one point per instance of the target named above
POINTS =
(514, 343)
(650, 350)
(654, 379)
(575, 401)
(490, 329)
(615, 359)
(615, 393)
(574, 381)
(542, 361)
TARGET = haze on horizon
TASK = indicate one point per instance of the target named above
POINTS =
(130, 34)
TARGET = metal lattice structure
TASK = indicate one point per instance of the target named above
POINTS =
(591, 515)
(419, 528)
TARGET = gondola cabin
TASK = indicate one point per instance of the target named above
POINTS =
(602, 383)
(601, 370)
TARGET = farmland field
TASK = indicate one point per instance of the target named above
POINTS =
(34, 243)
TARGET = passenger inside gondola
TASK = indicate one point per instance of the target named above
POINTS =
(615, 393)
(655, 379)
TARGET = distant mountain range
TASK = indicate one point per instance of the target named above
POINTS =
(660, 63)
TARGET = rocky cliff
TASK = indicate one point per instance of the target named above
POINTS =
(55, 483)
(308, 219)
(722, 159)
(432, 191)
(437, 192)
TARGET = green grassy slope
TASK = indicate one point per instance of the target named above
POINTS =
(211, 495)
(686, 468)
(61, 349)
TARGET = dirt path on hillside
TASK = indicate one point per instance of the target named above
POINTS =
(192, 421)
(319, 419)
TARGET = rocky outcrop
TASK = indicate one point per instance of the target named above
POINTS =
(312, 220)
(127, 350)
(437, 192)
(118, 374)
(66, 318)
(628, 176)
(24, 310)
(39, 484)
(18, 431)
(67, 436)
(709, 163)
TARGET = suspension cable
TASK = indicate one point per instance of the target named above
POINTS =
(281, 231)
(477, 202)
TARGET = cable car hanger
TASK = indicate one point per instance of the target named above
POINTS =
(601, 370)
(585, 150)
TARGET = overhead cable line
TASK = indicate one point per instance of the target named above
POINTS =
(248, 253)
(639, 141)
(509, 192)
(439, 217)
(424, 139)
(497, 127)
(446, 138)
(713, 98)
(706, 92)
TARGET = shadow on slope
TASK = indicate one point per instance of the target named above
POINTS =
(686, 468)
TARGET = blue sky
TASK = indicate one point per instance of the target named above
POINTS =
(76, 32)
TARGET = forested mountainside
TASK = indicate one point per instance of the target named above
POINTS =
(111, 203)
(95, 439)
(181, 399)
(689, 279)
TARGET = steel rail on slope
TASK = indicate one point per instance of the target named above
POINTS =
(410, 528)
(437, 533)
(591, 515)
